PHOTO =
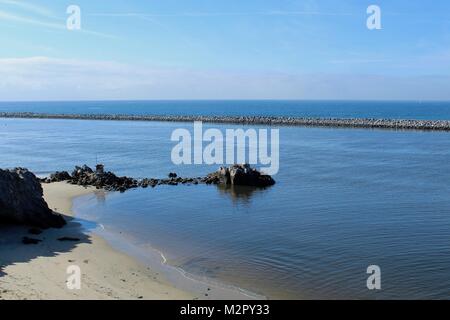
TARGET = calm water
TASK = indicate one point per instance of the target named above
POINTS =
(344, 199)
(320, 109)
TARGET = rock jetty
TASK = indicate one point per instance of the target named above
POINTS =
(22, 202)
(397, 124)
(101, 179)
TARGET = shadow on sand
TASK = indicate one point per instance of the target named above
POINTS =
(13, 251)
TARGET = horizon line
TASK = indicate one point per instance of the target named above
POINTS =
(228, 99)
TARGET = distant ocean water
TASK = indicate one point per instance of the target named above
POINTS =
(311, 109)
(344, 199)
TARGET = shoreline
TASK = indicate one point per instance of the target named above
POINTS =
(157, 261)
(39, 271)
(395, 124)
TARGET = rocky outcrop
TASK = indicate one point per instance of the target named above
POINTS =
(100, 179)
(85, 176)
(240, 175)
(59, 176)
(22, 202)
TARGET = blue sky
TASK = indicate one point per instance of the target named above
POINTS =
(234, 49)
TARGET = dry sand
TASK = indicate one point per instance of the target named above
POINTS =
(39, 271)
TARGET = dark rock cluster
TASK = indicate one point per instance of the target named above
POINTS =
(234, 175)
(22, 202)
(240, 175)
(100, 179)
(85, 176)
(59, 176)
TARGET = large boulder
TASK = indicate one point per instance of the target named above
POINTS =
(59, 176)
(22, 202)
(240, 175)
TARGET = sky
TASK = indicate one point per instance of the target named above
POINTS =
(216, 49)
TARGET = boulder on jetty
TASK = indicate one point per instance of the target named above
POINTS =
(240, 175)
(22, 202)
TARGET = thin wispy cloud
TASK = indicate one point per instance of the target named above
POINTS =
(280, 49)
(305, 13)
(98, 34)
(218, 14)
(40, 10)
(40, 16)
(358, 61)
(44, 78)
(231, 14)
(4, 15)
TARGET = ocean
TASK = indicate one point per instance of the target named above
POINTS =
(344, 198)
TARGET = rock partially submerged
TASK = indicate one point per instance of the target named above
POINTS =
(240, 175)
(27, 240)
(69, 239)
(22, 202)
(85, 176)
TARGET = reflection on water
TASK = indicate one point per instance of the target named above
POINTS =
(100, 195)
(242, 194)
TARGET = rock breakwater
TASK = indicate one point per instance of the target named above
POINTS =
(397, 124)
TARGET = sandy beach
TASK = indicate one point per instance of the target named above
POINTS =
(39, 271)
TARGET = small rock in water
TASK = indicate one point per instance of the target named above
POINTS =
(34, 231)
(68, 239)
(27, 240)
(239, 175)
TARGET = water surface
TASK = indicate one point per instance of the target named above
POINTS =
(344, 199)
